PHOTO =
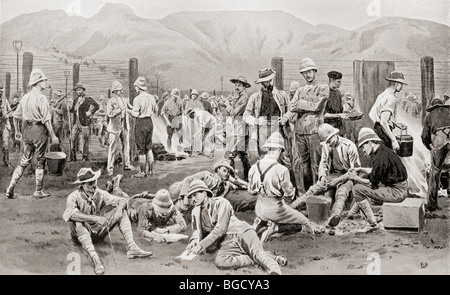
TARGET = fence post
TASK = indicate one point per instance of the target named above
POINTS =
(76, 74)
(368, 83)
(109, 93)
(8, 85)
(133, 74)
(427, 77)
(278, 67)
(27, 67)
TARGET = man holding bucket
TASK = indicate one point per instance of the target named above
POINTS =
(34, 111)
(383, 111)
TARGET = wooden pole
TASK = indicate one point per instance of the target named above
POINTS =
(278, 67)
(133, 74)
(427, 76)
(109, 93)
(76, 74)
(27, 67)
(8, 85)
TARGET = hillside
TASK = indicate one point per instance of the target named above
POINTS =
(193, 50)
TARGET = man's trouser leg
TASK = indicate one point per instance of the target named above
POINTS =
(341, 195)
(170, 132)
(27, 156)
(75, 135)
(315, 151)
(86, 134)
(5, 144)
(125, 138)
(112, 151)
(300, 162)
(276, 210)
(41, 147)
(438, 157)
(245, 250)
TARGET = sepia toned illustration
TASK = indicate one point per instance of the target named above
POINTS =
(203, 137)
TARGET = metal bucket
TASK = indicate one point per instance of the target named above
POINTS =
(56, 159)
(318, 208)
(406, 143)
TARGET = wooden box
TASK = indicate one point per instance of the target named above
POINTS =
(407, 215)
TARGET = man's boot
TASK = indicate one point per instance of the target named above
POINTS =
(133, 250)
(246, 165)
(301, 201)
(18, 172)
(371, 220)
(142, 164)
(99, 269)
(280, 259)
(40, 193)
(339, 203)
(269, 263)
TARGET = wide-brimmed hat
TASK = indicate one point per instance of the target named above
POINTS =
(198, 186)
(307, 64)
(242, 80)
(365, 135)
(87, 175)
(140, 83)
(36, 76)
(116, 86)
(79, 86)
(294, 86)
(224, 163)
(437, 103)
(204, 95)
(166, 94)
(175, 92)
(193, 92)
(189, 111)
(58, 93)
(275, 140)
(396, 76)
(162, 202)
(265, 74)
(326, 131)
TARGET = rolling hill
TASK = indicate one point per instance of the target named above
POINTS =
(193, 50)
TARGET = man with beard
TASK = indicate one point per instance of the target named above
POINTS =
(335, 108)
(240, 132)
(34, 111)
(83, 108)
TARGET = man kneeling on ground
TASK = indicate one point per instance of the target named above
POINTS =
(214, 224)
(88, 226)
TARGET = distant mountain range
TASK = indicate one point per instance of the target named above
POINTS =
(194, 49)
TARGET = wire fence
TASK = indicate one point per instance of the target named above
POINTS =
(411, 70)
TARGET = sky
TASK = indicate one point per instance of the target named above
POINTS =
(347, 14)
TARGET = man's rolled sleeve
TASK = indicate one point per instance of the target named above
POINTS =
(223, 221)
(71, 207)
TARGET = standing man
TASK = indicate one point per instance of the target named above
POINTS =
(35, 113)
(270, 181)
(118, 128)
(102, 122)
(335, 107)
(436, 138)
(83, 108)
(194, 102)
(204, 131)
(309, 105)
(189, 132)
(59, 112)
(385, 181)
(172, 111)
(267, 110)
(144, 108)
(240, 131)
(5, 126)
(204, 98)
(383, 111)
(90, 225)
(215, 226)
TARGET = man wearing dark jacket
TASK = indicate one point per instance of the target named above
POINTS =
(83, 108)
(436, 138)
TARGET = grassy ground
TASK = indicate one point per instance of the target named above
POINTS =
(35, 240)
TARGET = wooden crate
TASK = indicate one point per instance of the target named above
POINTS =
(407, 215)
